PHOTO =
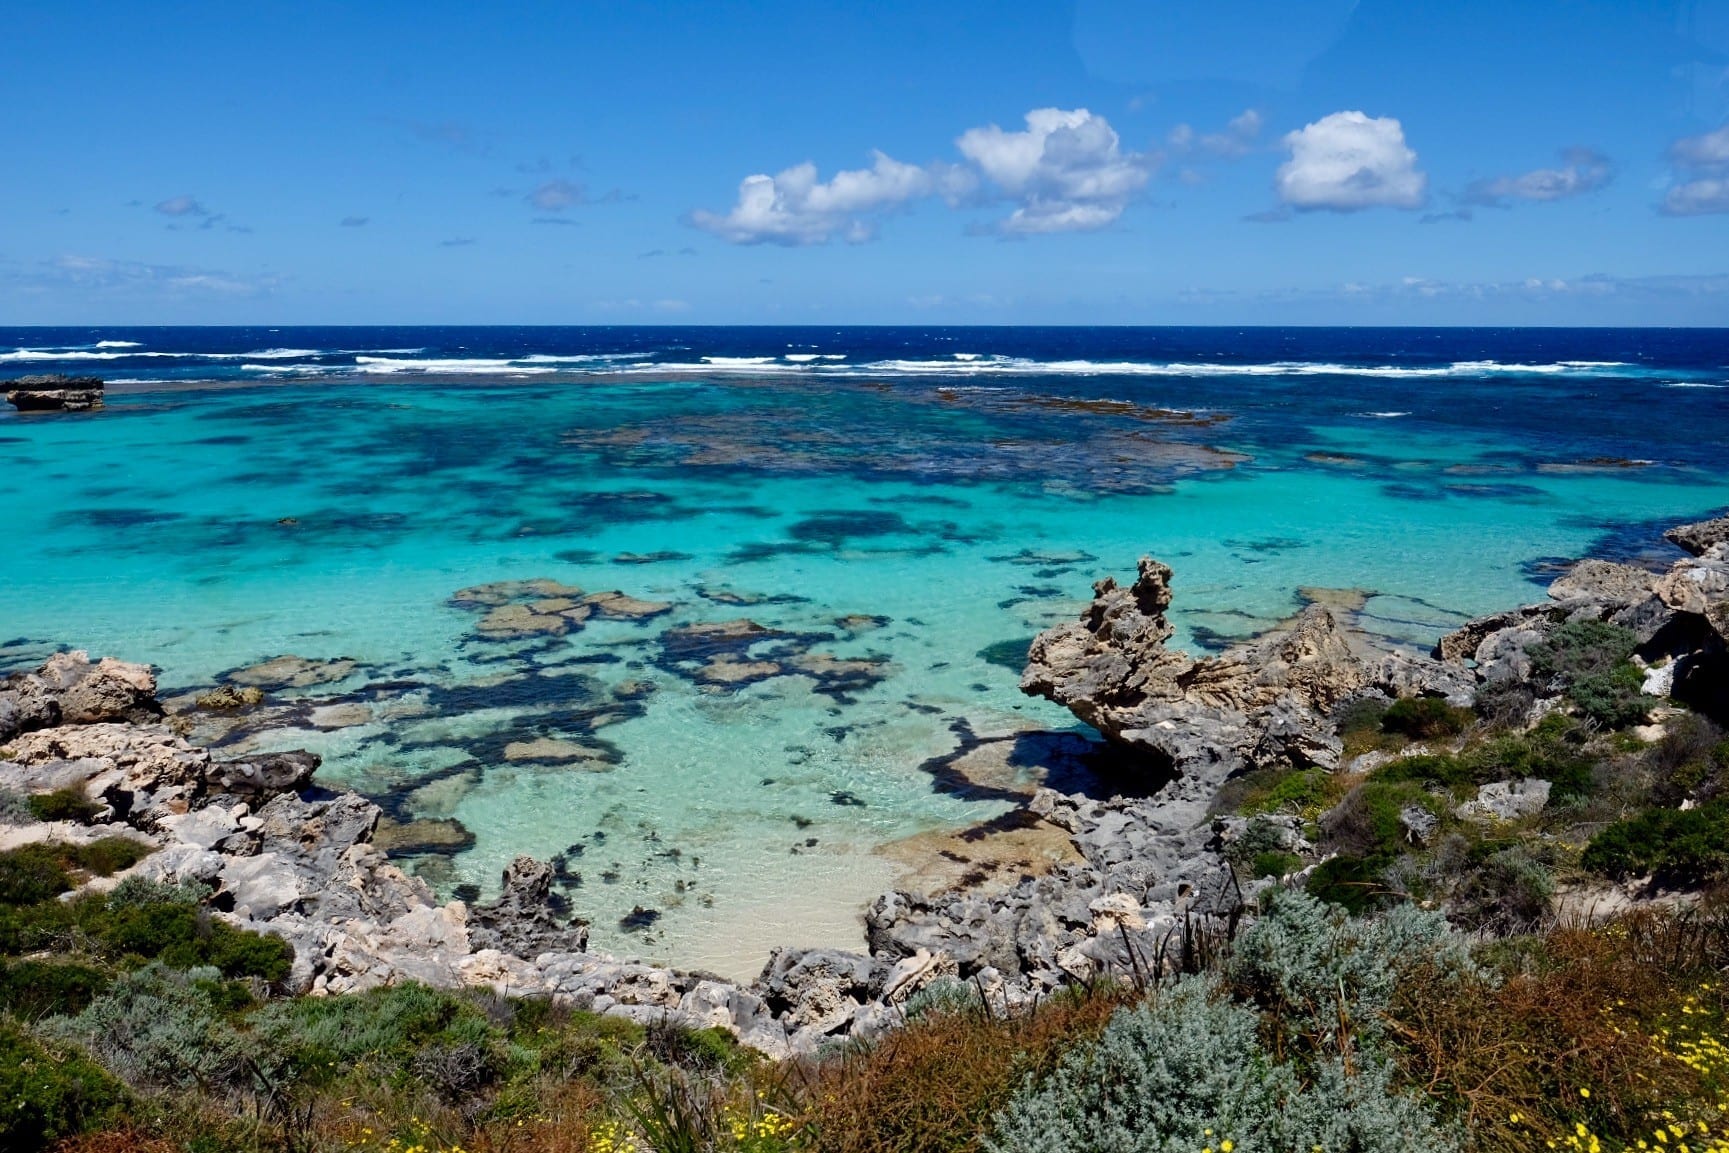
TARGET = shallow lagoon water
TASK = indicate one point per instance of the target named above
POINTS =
(921, 522)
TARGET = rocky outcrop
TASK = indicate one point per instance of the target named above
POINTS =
(70, 689)
(1698, 538)
(1258, 704)
(521, 921)
(54, 393)
(1680, 619)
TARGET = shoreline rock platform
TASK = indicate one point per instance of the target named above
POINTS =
(281, 854)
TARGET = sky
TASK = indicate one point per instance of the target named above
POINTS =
(990, 162)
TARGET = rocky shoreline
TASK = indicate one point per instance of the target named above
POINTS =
(280, 854)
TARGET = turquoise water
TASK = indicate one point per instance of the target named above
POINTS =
(925, 533)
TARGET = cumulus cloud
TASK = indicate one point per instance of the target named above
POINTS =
(1347, 162)
(1701, 175)
(1067, 170)
(1582, 170)
(794, 207)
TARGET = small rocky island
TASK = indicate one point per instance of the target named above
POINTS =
(54, 392)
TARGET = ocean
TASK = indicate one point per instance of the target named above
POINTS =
(420, 513)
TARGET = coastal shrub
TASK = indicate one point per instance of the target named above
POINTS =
(46, 1096)
(32, 874)
(1429, 769)
(159, 1028)
(183, 934)
(1426, 718)
(1317, 972)
(109, 855)
(1187, 1071)
(1358, 723)
(387, 1029)
(1355, 884)
(33, 989)
(1557, 750)
(1590, 661)
(1629, 1011)
(1367, 822)
(15, 808)
(933, 1085)
(63, 805)
(694, 1050)
(1504, 704)
(1306, 793)
(1679, 847)
(1689, 761)
(1507, 893)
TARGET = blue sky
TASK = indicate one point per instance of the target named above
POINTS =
(1099, 161)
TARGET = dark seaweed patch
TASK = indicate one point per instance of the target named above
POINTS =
(1010, 654)
(117, 518)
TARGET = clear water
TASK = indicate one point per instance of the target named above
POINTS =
(324, 492)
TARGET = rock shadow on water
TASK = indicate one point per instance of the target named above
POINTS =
(1012, 767)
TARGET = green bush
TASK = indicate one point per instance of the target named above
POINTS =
(15, 808)
(1557, 750)
(1681, 847)
(139, 921)
(1426, 718)
(34, 989)
(1366, 823)
(388, 1029)
(1355, 884)
(1277, 863)
(110, 855)
(1305, 792)
(45, 1097)
(1590, 661)
(1447, 772)
(63, 805)
(32, 874)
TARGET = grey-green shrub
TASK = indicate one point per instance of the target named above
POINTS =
(1309, 965)
(1187, 1072)
(157, 1027)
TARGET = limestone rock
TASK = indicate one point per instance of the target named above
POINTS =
(51, 393)
(1698, 538)
(1508, 800)
(521, 921)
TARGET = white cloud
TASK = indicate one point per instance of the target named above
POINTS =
(1701, 174)
(1067, 170)
(1710, 150)
(794, 207)
(102, 275)
(1349, 161)
(1238, 138)
(1708, 194)
(1583, 170)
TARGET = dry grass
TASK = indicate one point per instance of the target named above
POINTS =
(933, 1086)
(1572, 1037)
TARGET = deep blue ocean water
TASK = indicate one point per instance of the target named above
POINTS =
(899, 509)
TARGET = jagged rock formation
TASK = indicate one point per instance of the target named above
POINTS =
(1258, 704)
(54, 393)
(1681, 619)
